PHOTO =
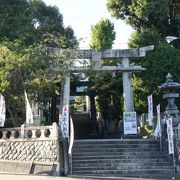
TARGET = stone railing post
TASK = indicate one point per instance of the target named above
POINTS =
(33, 133)
(54, 131)
(22, 134)
(4, 134)
(42, 133)
(13, 133)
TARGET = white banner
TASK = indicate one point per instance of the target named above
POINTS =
(71, 141)
(130, 123)
(29, 114)
(65, 109)
(157, 132)
(2, 111)
(150, 110)
(170, 135)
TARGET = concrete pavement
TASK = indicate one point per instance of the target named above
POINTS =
(32, 177)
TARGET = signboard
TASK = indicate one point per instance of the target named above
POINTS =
(170, 135)
(130, 123)
(150, 110)
(65, 109)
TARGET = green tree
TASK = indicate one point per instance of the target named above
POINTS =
(108, 87)
(146, 14)
(162, 60)
(15, 19)
(153, 21)
(102, 35)
(80, 104)
(28, 29)
(34, 22)
(143, 13)
(32, 70)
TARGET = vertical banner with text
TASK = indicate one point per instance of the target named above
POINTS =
(157, 132)
(65, 109)
(170, 135)
(2, 111)
(150, 110)
(29, 114)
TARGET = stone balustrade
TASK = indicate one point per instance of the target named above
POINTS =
(36, 144)
(35, 132)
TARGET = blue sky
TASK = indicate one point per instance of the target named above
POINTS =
(82, 14)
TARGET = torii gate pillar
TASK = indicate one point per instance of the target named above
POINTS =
(127, 87)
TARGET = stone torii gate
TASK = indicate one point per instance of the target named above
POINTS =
(96, 57)
(124, 67)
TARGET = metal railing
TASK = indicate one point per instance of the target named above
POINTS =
(164, 144)
(71, 142)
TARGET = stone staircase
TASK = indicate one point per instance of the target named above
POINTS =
(118, 157)
(82, 126)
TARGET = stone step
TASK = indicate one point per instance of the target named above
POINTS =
(120, 167)
(109, 149)
(114, 141)
(126, 156)
(119, 155)
(123, 172)
(82, 126)
(87, 146)
(127, 153)
(118, 160)
(114, 164)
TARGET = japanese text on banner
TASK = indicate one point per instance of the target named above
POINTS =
(157, 132)
(170, 135)
(150, 110)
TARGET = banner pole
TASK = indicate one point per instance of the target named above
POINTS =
(174, 167)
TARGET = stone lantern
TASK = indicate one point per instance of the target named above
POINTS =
(170, 88)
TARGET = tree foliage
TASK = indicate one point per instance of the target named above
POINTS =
(102, 35)
(28, 29)
(153, 21)
(162, 60)
(32, 70)
(146, 14)
(108, 87)
(34, 22)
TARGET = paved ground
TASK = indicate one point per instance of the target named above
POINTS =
(30, 177)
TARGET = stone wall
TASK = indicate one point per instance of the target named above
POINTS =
(36, 151)
(38, 145)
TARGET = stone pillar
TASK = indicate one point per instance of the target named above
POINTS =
(87, 105)
(93, 114)
(96, 58)
(127, 87)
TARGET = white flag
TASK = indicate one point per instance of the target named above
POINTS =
(170, 135)
(29, 114)
(71, 141)
(2, 111)
(157, 132)
(150, 110)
